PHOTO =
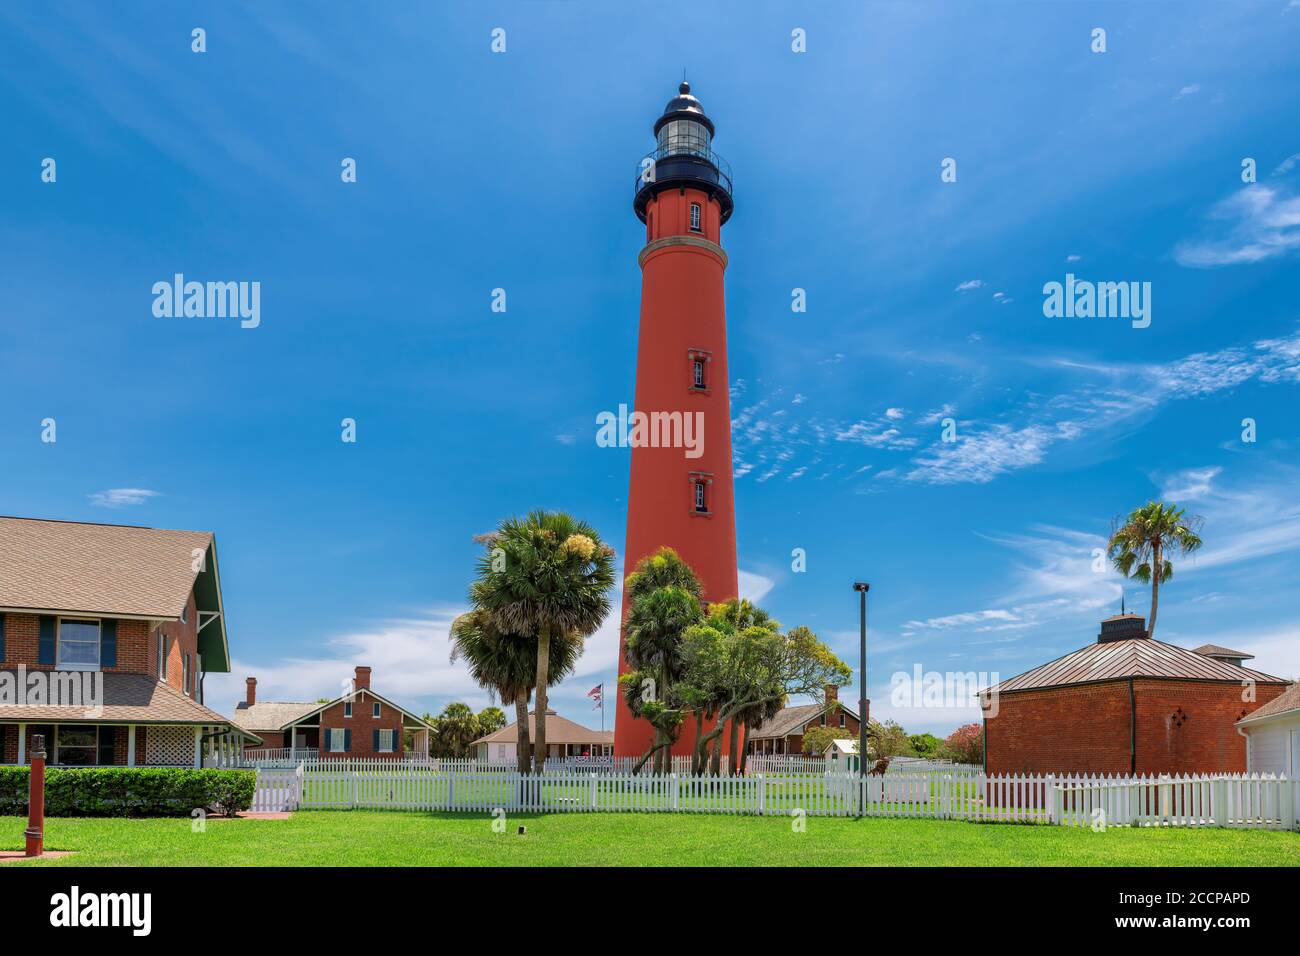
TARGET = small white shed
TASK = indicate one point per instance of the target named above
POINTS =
(1272, 735)
(842, 756)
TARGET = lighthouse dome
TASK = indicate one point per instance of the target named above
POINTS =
(684, 106)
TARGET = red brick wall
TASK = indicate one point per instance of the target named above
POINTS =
(182, 639)
(362, 725)
(136, 645)
(1086, 729)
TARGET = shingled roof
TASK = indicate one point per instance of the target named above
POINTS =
(271, 715)
(559, 730)
(97, 568)
(127, 699)
(1217, 650)
(113, 570)
(1289, 700)
(1136, 657)
(790, 720)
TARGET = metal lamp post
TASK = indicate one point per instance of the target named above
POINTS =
(862, 588)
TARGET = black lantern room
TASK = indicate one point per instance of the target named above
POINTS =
(683, 156)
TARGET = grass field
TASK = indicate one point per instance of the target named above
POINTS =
(365, 837)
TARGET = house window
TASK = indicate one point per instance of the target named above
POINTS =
(347, 708)
(701, 504)
(185, 614)
(695, 217)
(78, 746)
(375, 712)
(385, 741)
(162, 655)
(78, 645)
(336, 740)
(185, 673)
(841, 719)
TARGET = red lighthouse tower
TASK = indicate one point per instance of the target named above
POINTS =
(683, 195)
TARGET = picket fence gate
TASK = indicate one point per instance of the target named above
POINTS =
(1221, 800)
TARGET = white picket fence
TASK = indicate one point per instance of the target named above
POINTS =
(1224, 800)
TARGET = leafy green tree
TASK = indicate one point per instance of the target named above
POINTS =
(817, 739)
(547, 577)
(888, 740)
(738, 660)
(925, 745)
(1139, 546)
(456, 727)
(490, 720)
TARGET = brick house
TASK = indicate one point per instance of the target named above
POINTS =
(358, 724)
(1127, 704)
(783, 734)
(106, 635)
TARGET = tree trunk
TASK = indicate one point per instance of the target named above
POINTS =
(715, 759)
(521, 722)
(1155, 589)
(732, 760)
(543, 678)
(697, 758)
(744, 751)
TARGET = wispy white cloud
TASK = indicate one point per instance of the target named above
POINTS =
(1191, 89)
(969, 285)
(1258, 222)
(121, 497)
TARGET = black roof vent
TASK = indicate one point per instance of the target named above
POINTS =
(1122, 627)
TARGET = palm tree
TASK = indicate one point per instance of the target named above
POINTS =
(506, 665)
(458, 727)
(547, 577)
(1139, 544)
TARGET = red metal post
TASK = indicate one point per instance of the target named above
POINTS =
(35, 832)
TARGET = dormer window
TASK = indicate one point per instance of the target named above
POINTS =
(695, 217)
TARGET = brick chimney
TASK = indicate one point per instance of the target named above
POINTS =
(832, 693)
(251, 696)
(362, 680)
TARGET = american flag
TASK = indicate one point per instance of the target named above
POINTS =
(597, 694)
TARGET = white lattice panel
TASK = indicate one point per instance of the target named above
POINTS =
(171, 746)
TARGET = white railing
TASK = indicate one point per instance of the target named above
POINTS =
(1236, 801)
(1228, 800)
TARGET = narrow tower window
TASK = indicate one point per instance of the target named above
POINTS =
(697, 373)
(700, 504)
(695, 217)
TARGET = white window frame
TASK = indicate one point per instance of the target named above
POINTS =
(697, 373)
(696, 217)
(162, 656)
(701, 502)
(391, 748)
(58, 644)
(375, 712)
(841, 718)
(185, 674)
(330, 732)
(347, 710)
(185, 614)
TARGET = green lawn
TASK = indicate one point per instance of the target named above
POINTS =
(362, 837)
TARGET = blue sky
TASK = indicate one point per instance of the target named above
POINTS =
(479, 171)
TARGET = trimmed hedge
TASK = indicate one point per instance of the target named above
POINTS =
(129, 791)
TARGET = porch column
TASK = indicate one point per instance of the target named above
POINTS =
(22, 744)
(198, 747)
(130, 745)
